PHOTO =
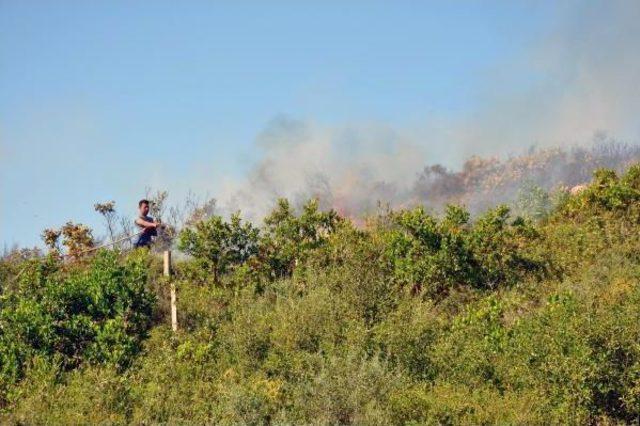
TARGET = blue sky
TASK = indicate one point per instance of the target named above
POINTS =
(100, 99)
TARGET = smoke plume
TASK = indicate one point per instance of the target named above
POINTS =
(582, 83)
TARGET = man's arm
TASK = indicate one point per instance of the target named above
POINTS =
(146, 224)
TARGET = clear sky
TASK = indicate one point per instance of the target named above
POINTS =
(99, 99)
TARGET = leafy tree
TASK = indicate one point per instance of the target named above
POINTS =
(288, 239)
(219, 245)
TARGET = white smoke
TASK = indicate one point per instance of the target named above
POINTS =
(582, 79)
(348, 167)
(588, 72)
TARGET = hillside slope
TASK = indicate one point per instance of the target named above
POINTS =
(309, 319)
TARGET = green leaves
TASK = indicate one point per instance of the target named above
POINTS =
(607, 194)
(289, 239)
(96, 315)
(286, 240)
(220, 245)
(432, 256)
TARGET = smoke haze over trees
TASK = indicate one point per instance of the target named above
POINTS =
(391, 174)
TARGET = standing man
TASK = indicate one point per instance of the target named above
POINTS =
(146, 224)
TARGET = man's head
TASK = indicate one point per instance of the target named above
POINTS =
(143, 207)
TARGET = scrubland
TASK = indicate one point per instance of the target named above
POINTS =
(525, 316)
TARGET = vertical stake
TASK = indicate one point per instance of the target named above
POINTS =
(167, 273)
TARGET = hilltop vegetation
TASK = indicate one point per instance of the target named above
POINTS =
(411, 318)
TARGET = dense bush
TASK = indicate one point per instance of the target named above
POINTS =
(96, 314)
(218, 245)
(432, 256)
(288, 239)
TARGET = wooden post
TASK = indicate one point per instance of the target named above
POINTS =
(167, 273)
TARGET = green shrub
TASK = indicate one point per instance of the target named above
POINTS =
(432, 256)
(289, 239)
(218, 245)
(98, 314)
